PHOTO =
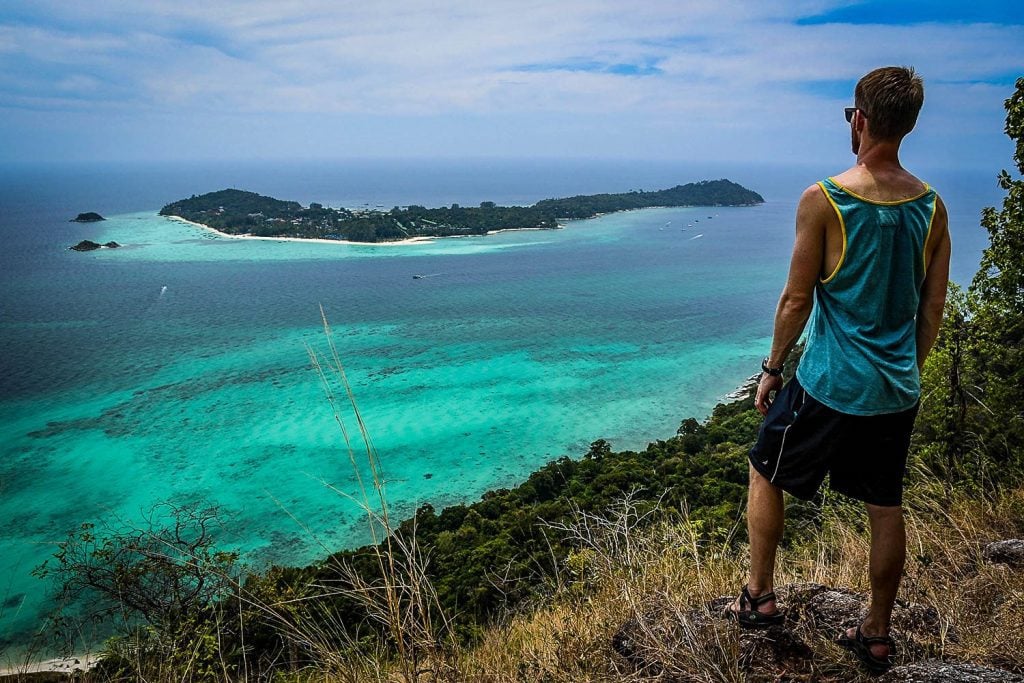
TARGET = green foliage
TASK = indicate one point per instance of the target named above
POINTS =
(703, 193)
(999, 312)
(229, 210)
(972, 416)
(191, 649)
(943, 436)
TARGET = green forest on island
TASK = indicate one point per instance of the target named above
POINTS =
(501, 554)
(241, 212)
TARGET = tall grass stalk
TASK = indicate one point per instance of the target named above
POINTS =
(402, 601)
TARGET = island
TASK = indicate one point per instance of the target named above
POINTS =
(89, 245)
(237, 212)
(88, 217)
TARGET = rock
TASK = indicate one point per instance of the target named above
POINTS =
(89, 245)
(776, 648)
(88, 217)
(1009, 552)
(916, 627)
(830, 609)
(935, 671)
(626, 642)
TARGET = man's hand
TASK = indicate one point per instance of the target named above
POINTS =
(765, 387)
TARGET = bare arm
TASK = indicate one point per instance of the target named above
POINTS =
(936, 280)
(812, 216)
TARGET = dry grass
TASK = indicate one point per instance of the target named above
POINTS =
(665, 572)
(658, 569)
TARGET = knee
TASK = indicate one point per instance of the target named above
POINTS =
(759, 482)
(887, 513)
(886, 520)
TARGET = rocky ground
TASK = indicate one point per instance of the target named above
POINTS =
(815, 616)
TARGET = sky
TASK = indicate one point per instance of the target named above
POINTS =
(695, 80)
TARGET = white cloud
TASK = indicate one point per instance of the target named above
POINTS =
(720, 66)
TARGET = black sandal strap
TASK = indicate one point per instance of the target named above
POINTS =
(758, 601)
(755, 602)
(873, 640)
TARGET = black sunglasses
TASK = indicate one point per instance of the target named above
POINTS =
(849, 112)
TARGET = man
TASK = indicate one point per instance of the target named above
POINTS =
(871, 259)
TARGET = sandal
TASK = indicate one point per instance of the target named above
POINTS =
(860, 646)
(747, 615)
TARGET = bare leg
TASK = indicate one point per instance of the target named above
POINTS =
(765, 519)
(888, 553)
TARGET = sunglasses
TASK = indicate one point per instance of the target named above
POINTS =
(849, 113)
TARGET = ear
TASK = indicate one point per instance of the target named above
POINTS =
(860, 122)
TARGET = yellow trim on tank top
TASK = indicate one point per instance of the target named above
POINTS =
(842, 226)
(928, 235)
(927, 189)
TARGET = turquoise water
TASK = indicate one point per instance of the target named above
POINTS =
(176, 367)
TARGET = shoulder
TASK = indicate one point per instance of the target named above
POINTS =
(814, 202)
(812, 192)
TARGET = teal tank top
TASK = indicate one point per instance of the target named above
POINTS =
(861, 352)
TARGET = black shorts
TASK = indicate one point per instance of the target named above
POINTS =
(802, 440)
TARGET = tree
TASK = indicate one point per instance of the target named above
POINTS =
(162, 575)
(943, 434)
(971, 425)
(998, 290)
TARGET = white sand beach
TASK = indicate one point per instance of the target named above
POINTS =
(390, 243)
(65, 665)
(411, 240)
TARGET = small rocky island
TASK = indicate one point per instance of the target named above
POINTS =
(89, 245)
(88, 217)
(238, 212)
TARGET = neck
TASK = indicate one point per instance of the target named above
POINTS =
(878, 154)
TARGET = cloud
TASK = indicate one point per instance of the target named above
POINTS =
(726, 66)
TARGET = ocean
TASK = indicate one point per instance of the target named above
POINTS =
(176, 368)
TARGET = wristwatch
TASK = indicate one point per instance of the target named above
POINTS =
(774, 372)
